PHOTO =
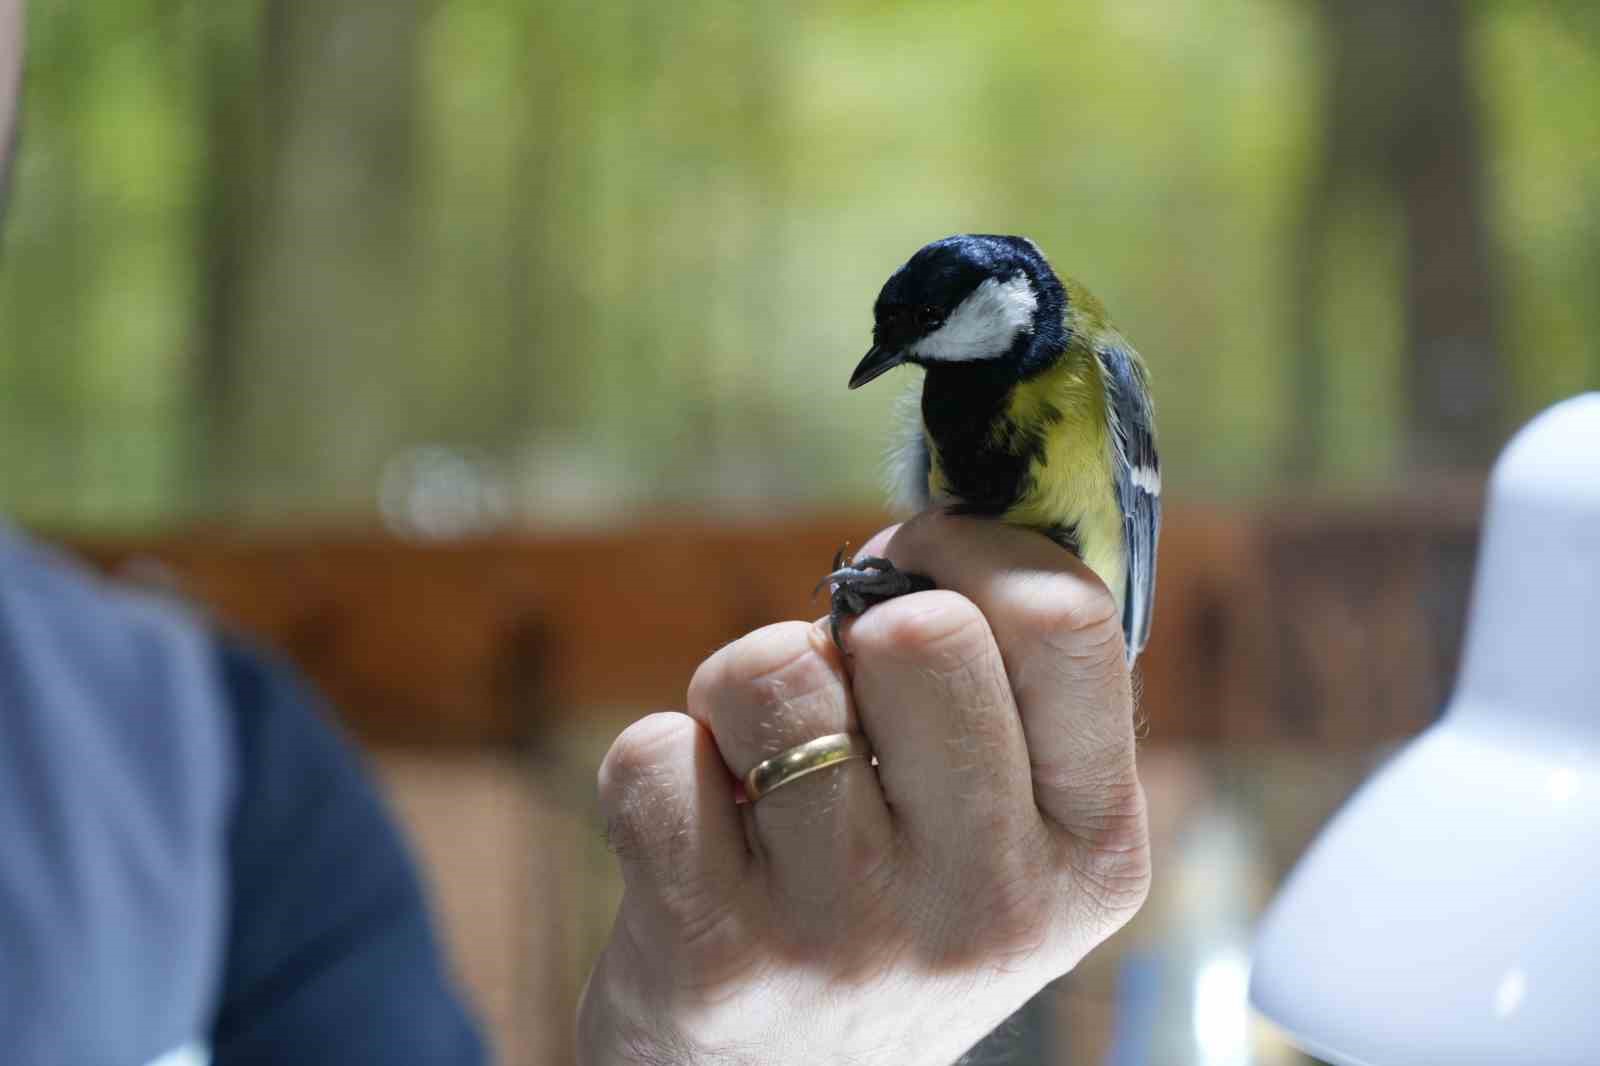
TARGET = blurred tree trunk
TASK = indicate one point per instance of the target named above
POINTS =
(1402, 113)
(541, 363)
(229, 85)
(533, 310)
(322, 305)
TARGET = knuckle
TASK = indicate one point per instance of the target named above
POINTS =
(769, 691)
(749, 666)
(648, 823)
(636, 784)
(942, 628)
(1115, 885)
(1110, 853)
(1072, 616)
(636, 757)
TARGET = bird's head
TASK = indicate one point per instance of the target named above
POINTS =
(972, 298)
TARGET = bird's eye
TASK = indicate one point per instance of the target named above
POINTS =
(927, 317)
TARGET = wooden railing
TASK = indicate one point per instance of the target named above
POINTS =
(1334, 624)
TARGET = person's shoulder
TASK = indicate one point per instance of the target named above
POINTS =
(103, 673)
(290, 922)
(117, 773)
(58, 615)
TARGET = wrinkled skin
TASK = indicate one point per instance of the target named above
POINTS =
(878, 915)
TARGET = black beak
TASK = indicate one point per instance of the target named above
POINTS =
(877, 361)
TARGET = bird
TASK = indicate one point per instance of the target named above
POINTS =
(1033, 410)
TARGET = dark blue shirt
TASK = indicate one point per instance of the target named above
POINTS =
(194, 867)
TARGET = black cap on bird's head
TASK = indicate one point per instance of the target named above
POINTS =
(966, 299)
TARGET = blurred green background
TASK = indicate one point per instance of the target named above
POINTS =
(556, 262)
(447, 265)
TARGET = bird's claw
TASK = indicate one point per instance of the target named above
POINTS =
(864, 583)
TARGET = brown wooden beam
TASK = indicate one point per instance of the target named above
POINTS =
(1337, 624)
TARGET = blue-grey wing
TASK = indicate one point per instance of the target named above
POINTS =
(1138, 482)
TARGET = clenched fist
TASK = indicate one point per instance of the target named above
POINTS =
(890, 913)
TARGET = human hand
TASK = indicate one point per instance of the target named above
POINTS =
(878, 915)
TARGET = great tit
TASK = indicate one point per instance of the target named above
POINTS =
(1034, 410)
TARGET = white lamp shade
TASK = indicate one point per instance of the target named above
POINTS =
(1450, 913)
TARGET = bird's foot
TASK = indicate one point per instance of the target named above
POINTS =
(863, 583)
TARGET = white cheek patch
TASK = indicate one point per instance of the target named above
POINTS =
(985, 324)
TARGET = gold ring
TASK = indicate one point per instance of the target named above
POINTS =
(803, 759)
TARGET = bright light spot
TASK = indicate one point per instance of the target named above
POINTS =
(434, 492)
(1222, 1010)
(189, 1055)
(1563, 785)
(1508, 994)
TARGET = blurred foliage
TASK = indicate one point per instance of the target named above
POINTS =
(625, 255)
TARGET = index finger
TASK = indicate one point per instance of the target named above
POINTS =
(1060, 637)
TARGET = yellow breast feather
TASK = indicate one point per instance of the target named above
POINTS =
(1070, 483)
